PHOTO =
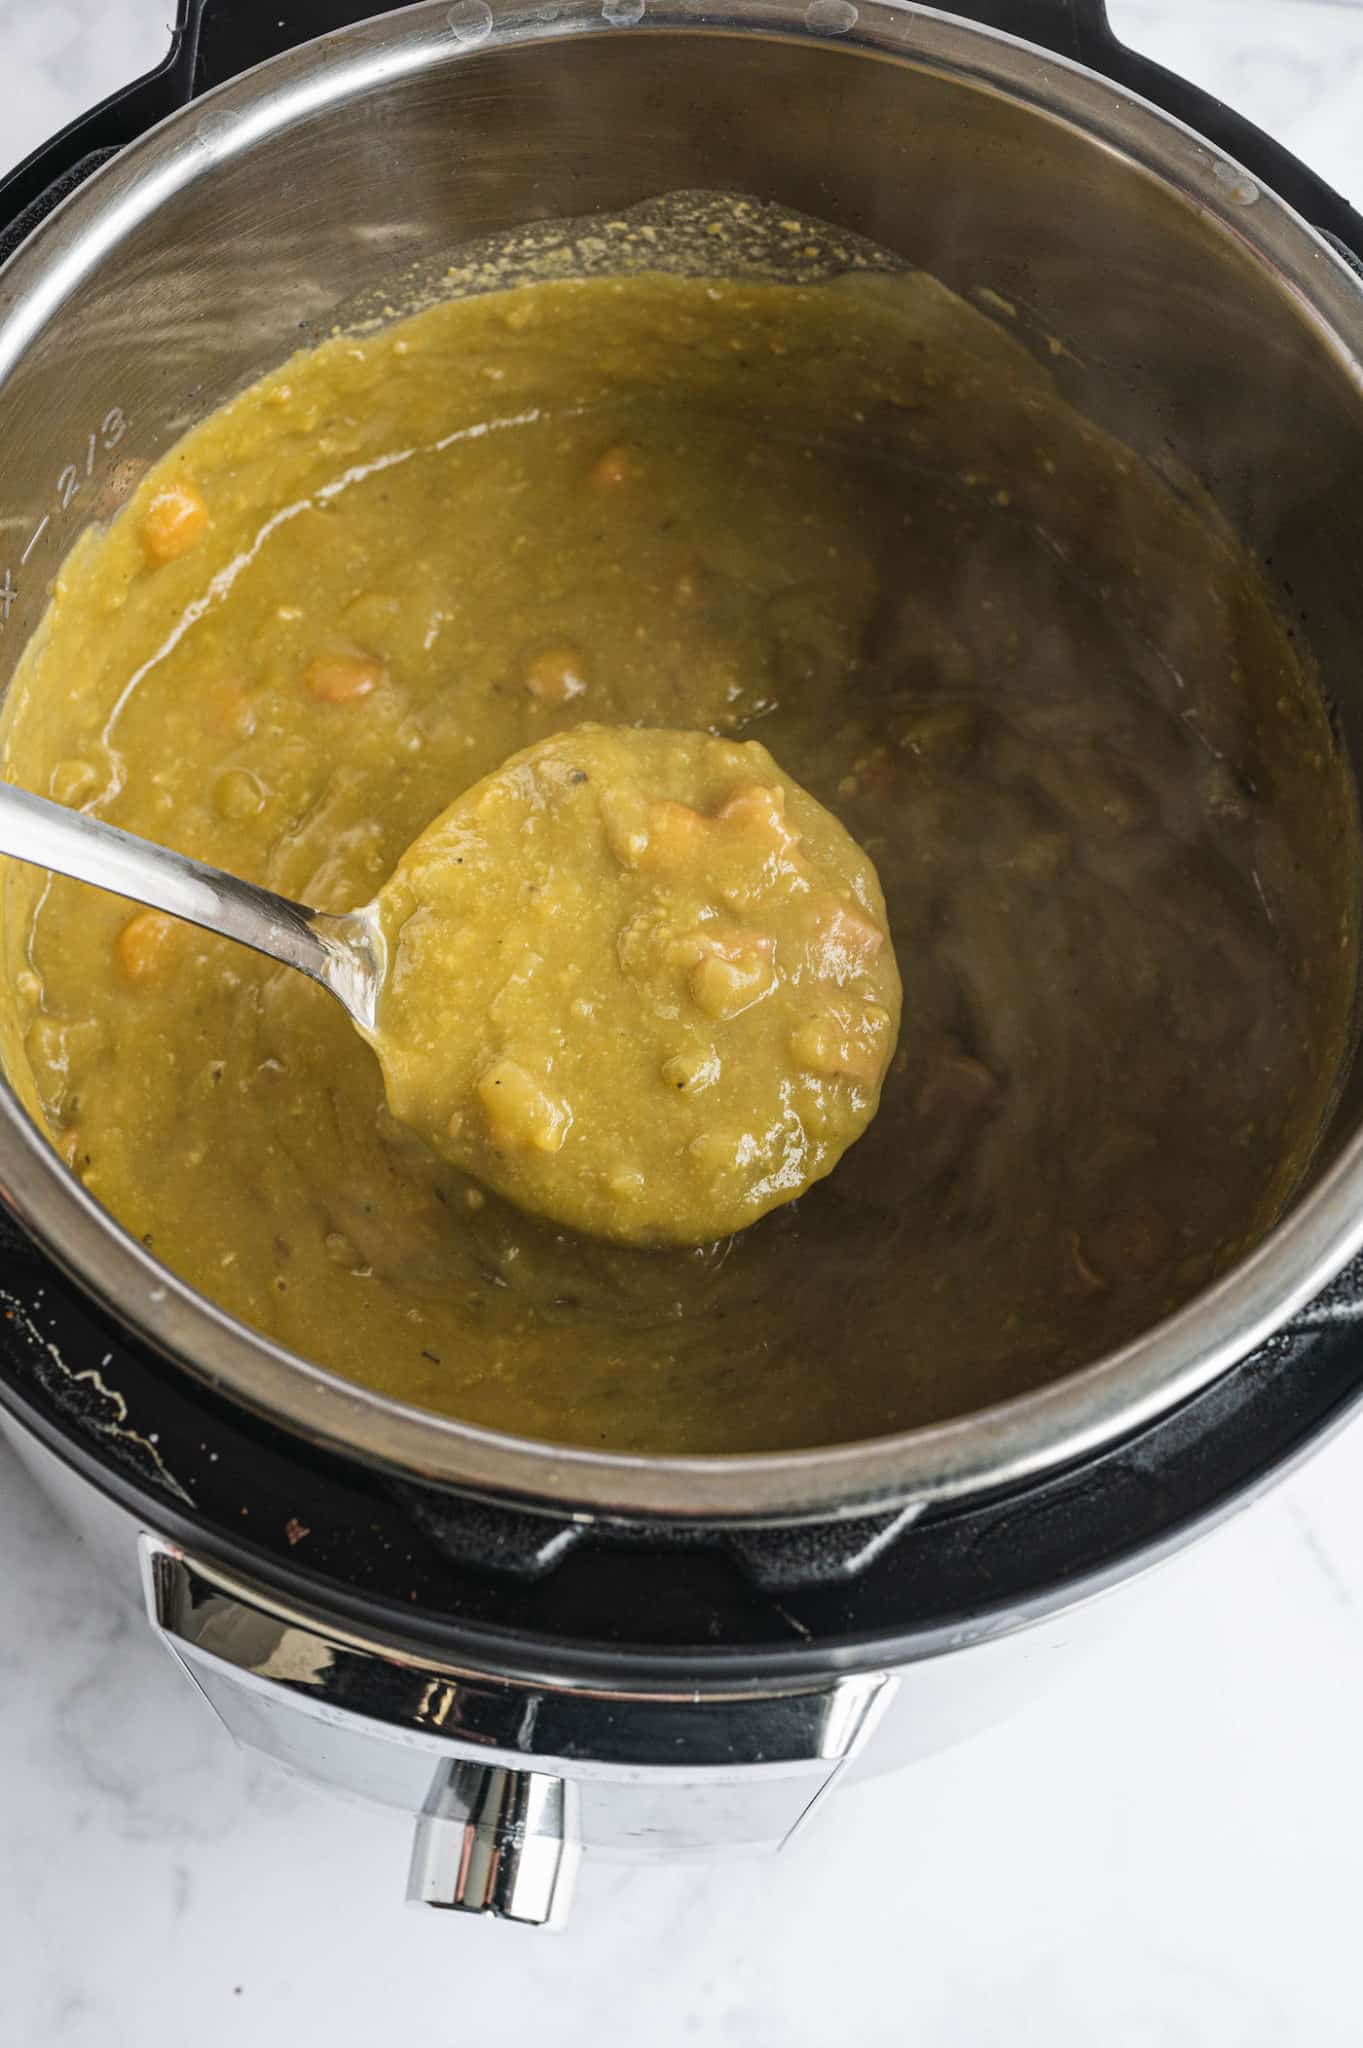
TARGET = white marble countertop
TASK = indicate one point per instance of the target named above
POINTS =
(1168, 1851)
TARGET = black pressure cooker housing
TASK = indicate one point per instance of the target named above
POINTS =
(481, 1577)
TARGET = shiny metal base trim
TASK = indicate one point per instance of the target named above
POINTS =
(240, 1633)
(510, 1778)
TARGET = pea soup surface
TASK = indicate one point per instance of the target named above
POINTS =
(850, 519)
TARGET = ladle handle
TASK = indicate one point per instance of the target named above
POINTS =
(85, 848)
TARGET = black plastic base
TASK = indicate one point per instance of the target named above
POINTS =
(477, 1579)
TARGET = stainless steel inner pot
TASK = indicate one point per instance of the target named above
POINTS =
(1203, 321)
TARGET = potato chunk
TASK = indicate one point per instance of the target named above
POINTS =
(730, 969)
(853, 1042)
(520, 1112)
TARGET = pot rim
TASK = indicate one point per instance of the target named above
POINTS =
(993, 1448)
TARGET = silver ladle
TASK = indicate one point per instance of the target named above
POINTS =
(344, 951)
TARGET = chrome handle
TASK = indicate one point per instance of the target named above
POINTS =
(497, 1842)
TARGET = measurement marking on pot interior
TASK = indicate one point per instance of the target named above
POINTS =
(39, 530)
(69, 484)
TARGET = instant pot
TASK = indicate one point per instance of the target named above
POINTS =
(538, 1651)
